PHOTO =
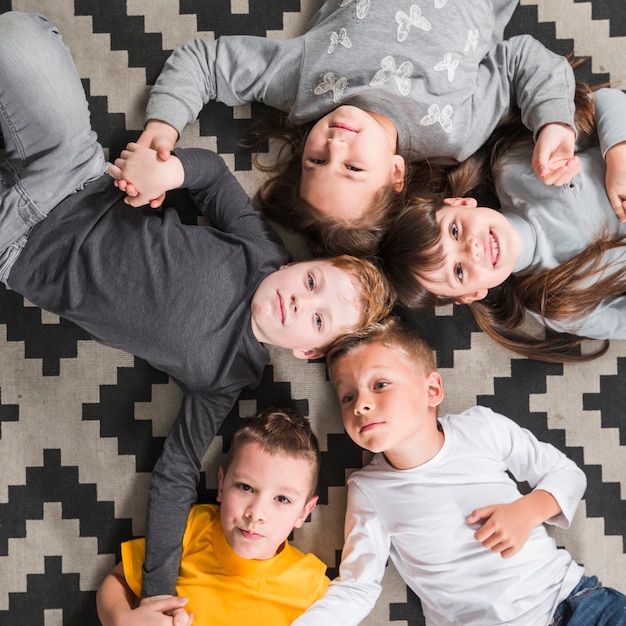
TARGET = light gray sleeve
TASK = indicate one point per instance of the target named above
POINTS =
(521, 71)
(606, 321)
(232, 69)
(610, 117)
(350, 597)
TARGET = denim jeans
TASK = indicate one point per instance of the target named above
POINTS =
(591, 604)
(50, 149)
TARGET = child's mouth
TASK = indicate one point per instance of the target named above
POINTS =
(342, 126)
(280, 305)
(494, 248)
(251, 535)
(369, 426)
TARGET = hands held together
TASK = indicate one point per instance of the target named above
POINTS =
(145, 171)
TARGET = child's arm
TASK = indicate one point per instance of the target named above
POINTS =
(234, 70)
(505, 528)
(350, 597)
(173, 486)
(610, 106)
(117, 605)
(616, 179)
(553, 157)
(150, 175)
(523, 72)
(557, 483)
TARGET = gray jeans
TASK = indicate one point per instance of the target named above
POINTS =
(50, 149)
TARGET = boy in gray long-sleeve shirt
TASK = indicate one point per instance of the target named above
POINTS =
(197, 302)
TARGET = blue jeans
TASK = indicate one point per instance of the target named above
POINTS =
(591, 604)
(50, 149)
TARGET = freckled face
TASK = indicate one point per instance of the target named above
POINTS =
(348, 156)
(263, 497)
(480, 249)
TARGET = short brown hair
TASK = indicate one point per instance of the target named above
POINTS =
(279, 431)
(377, 295)
(393, 333)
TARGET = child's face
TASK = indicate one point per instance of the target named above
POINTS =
(480, 249)
(304, 306)
(348, 156)
(263, 498)
(388, 404)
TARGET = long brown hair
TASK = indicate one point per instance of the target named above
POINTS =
(279, 199)
(567, 292)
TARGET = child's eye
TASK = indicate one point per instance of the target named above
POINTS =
(381, 384)
(454, 230)
(318, 321)
(283, 499)
(244, 487)
(317, 161)
(353, 168)
(347, 398)
(310, 281)
(458, 271)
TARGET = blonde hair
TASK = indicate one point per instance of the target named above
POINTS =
(390, 332)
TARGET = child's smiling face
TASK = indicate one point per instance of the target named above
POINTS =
(349, 155)
(480, 250)
(305, 306)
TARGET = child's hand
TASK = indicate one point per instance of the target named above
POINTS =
(616, 179)
(166, 610)
(505, 528)
(159, 136)
(153, 611)
(150, 176)
(553, 157)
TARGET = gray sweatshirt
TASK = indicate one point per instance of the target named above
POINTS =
(556, 223)
(437, 69)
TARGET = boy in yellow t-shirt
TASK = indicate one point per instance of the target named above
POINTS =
(237, 566)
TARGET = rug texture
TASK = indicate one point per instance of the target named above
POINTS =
(81, 425)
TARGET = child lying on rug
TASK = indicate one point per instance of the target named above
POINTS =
(557, 254)
(366, 90)
(237, 566)
(437, 498)
(197, 302)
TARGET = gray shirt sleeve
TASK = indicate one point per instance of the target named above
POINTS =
(521, 71)
(232, 69)
(610, 117)
(173, 486)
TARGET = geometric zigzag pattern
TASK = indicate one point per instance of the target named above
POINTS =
(81, 425)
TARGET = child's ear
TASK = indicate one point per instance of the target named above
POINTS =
(435, 389)
(469, 202)
(399, 170)
(471, 297)
(306, 511)
(220, 482)
(307, 354)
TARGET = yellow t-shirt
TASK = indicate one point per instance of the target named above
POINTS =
(225, 589)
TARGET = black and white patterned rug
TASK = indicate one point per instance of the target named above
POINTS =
(81, 425)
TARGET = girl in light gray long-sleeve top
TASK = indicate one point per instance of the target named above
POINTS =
(558, 253)
(391, 82)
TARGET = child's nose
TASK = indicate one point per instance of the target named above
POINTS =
(254, 512)
(473, 249)
(363, 404)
